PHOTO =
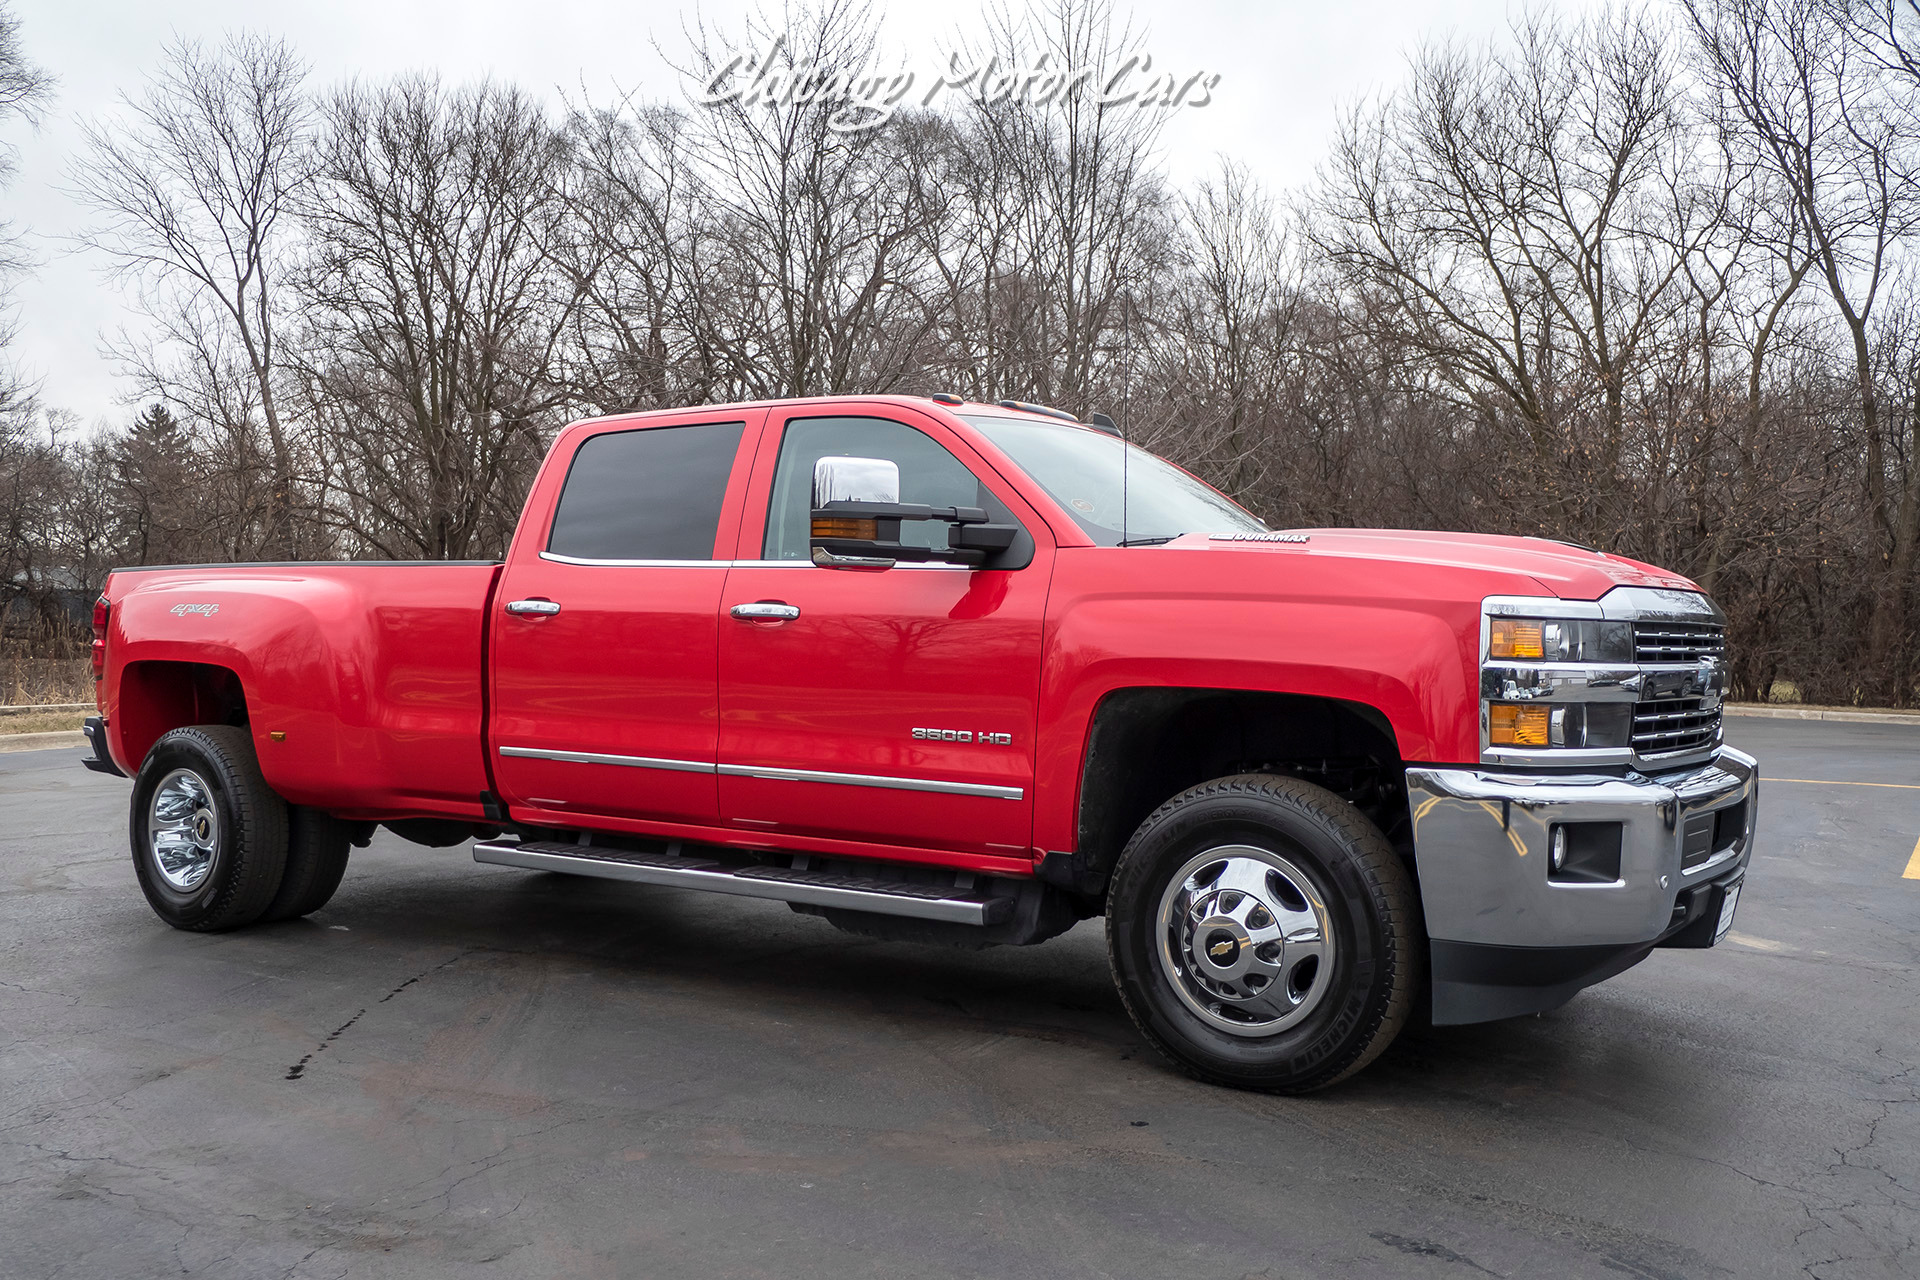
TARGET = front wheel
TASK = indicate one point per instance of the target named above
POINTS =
(1262, 934)
(209, 835)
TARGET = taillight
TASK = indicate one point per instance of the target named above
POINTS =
(99, 652)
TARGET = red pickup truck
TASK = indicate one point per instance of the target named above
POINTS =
(970, 673)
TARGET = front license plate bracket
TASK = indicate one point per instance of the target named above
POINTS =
(1729, 899)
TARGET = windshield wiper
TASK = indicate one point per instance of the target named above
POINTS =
(1146, 542)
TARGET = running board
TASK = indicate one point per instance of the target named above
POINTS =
(784, 884)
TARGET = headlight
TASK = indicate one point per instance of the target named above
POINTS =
(1560, 640)
(1554, 712)
(1556, 688)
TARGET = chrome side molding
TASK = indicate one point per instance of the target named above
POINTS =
(598, 757)
(872, 780)
(939, 786)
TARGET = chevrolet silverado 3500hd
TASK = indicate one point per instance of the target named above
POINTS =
(970, 673)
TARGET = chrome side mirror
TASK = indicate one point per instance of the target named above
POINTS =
(874, 480)
(855, 480)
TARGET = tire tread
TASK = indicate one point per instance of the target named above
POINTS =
(317, 849)
(1387, 881)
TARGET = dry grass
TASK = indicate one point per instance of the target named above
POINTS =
(45, 723)
(1787, 693)
(1841, 706)
(35, 682)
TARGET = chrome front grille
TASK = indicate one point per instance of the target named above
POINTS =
(1674, 724)
(1678, 641)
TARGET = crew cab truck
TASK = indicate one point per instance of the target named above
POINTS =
(970, 673)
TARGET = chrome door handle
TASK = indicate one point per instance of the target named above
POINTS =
(766, 611)
(536, 608)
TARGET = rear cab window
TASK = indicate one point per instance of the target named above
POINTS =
(650, 494)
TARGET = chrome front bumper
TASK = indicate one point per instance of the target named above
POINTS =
(1481, 840)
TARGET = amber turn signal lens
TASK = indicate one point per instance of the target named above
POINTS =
(1516, 726)
(1515, 638)
(861, 530)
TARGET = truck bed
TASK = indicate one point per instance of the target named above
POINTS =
(362, 683)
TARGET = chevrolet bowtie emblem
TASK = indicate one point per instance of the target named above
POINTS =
(1220, 950)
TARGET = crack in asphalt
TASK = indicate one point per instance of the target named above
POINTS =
(1895, 1196)
(1427, 1249)
(299, 1069)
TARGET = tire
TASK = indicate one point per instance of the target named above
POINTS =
(1292, 1000)
(317, 847)
(229, 830)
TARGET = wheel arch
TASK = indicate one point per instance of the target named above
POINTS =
(157, 696)
(1147, 744)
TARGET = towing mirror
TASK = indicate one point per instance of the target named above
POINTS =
(857, 513)
(842, 540)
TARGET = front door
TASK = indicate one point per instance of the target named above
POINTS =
(895, 706)
(604, 634)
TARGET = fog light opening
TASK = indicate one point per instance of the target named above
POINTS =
(1584, 853)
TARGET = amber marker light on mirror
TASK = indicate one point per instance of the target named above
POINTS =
(1516, 725)
(862, 530)
(1516, 638)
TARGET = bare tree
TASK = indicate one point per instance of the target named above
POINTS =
(25, 90)
(433, 314)
(193, 194)
(1066, 213)
(1224, 346)
(1840, 147)
(632, 206)
(1888, 31)
(1530, 217)
(803, 276)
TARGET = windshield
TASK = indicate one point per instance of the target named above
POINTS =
(1081, 470)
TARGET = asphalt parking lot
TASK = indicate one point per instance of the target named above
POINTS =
(456, 1069)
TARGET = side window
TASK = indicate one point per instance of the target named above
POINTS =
(928, 473)
(652, 494)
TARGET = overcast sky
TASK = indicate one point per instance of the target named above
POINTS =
(1286, 67)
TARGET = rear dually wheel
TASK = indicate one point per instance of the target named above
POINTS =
(209, 835)
(317, 847)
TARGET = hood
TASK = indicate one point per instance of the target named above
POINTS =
(1567, 571)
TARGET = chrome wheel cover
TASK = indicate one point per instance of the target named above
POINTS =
(1245, 941)
(183, 830)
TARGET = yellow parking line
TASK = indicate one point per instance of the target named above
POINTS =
(1913, 864)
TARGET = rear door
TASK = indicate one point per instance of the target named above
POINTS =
(897, 706)
(605, 626)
